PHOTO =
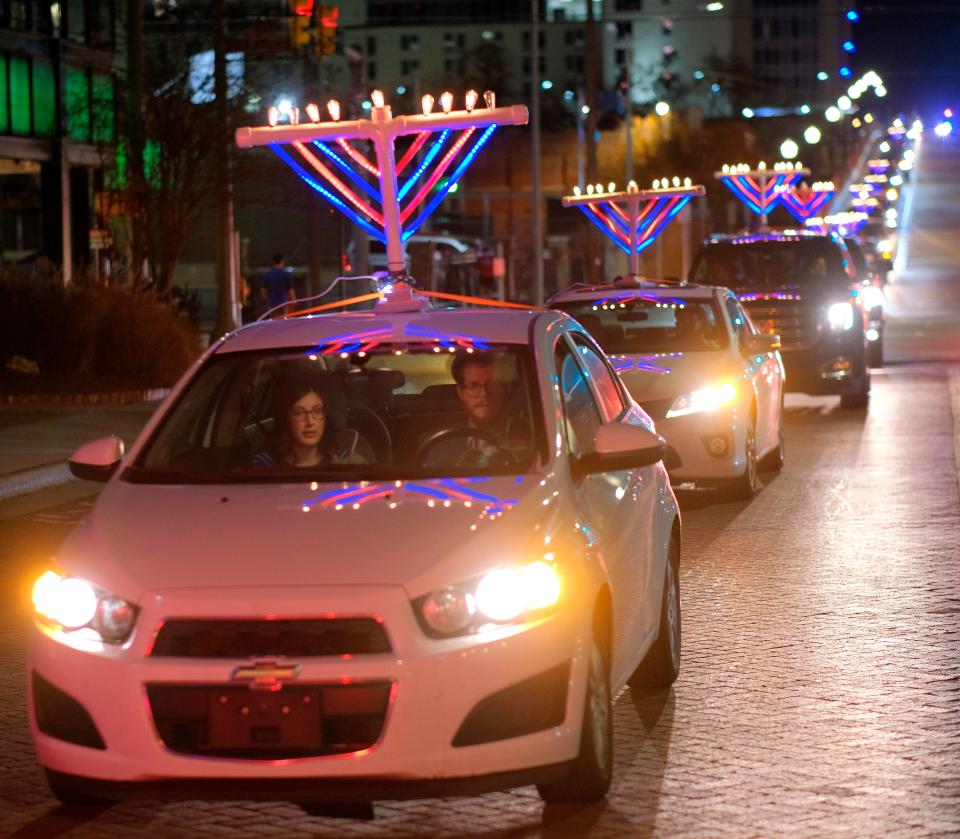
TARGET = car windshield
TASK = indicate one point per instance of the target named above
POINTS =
(635, 323)
(396, 412)
(778, 264)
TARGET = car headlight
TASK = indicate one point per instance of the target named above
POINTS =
(872, 297)
(73, 604)
(704, 399)
(501, 596)
(840, 316)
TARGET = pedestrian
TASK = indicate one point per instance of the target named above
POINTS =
(276, 286)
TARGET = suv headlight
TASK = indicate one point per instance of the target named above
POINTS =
(840, 316)
(74, 604)
(703, 399)
(506, 595)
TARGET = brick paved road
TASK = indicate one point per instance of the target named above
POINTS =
(820, 691)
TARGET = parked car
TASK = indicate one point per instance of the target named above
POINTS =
(696, 364)
(444, 603)
(803, 287)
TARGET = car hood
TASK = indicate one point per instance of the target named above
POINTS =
(650, 377)
(418, 534)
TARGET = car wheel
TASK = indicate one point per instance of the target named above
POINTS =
(71, 797)
(875, 353)
(773, 462)
(746, 486)
(589, 774)
(661, 665)
(859, 399)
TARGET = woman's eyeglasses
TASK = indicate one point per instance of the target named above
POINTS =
(300, 414)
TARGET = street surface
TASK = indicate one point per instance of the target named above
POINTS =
(820, 688)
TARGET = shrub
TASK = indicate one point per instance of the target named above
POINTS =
(98, 335)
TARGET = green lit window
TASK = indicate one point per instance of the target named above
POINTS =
(19, 95)
(78, 104)
(4, 112)
(103, 109)
(44, 100)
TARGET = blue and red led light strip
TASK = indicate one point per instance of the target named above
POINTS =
(802, 207)
(650, 221)
(760, 200)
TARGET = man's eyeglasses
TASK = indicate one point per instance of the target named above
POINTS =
(476, 388)
(300, 414)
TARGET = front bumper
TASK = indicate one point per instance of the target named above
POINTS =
(835, 364)
(434, 687)
(711, 445)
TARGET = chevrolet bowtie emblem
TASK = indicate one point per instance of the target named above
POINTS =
(266, 675)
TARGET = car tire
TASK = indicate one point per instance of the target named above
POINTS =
(661, 665)
(589, 774)
(860, 398)
(773, 461)
(70, 797)
(746, 486)
(875, 354)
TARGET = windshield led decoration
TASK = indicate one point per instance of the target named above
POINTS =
(844, 224)
(804, 201)
(334, 159)
(633, 218)
(642, 363)
(761, 188)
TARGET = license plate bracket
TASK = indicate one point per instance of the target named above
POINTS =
(244, 719)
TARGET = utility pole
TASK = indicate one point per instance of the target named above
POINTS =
(226, 259)
(628, 105)
(537, 247)
(592, 72)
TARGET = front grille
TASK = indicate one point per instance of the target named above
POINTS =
(296, 721)
(247, 638)
(793, 320)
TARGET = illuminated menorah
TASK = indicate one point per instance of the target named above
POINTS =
(803, 203)
(634, 217)
(760, 188)
(846, 224)
(878, 166)
(368, 191)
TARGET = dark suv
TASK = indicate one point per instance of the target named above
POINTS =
(801, 286)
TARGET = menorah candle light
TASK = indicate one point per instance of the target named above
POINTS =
(844, 224)
(878, 166)
(758, 187)
(804, 201)
(329, 161)
(634, 217)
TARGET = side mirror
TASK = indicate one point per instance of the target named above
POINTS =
(762, 344)
(98, 459)
(620, 446)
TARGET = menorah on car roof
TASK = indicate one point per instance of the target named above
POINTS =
(368, 191)
(760, 188)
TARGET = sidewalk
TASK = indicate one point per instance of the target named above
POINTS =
(37, 440)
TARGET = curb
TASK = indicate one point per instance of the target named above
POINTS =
(33, 480)
(116, 397)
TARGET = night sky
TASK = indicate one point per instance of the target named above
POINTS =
(915, 46)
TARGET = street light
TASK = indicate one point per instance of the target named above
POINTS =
(789, 149)
(832, 114)
(662, 108)
(812, 135)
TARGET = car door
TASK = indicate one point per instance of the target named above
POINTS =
(621, 503)
(763, 371)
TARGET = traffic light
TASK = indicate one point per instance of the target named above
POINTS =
(301, 18)
(327, 34)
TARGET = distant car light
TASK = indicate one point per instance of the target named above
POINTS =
(702, 400)
(872, 297)
(840, 316)
(873, 334)
(943, 129)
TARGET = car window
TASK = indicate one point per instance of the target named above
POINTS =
(349, 410)
(739, 319)
(580, 412)
(634, 322)
(602, 379)
(780, 265)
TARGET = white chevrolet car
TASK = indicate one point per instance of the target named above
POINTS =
(697, 365)
(389, 554)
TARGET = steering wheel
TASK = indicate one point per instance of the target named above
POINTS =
(502, 457)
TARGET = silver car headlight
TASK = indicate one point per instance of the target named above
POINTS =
(703, 399)
(74, 604)
(505, 595)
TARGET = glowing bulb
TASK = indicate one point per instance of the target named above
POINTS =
(490, 98)
(662, 108)
(812, 134)
(471, 99)
(576, 190)
(272, 115)
(589, 189)
(333, 108)
(844, 103)
(761, 165)
(426, 102)
(446, 101)
(599, 189)
(726, 168)
(676, 181)
(789, 149)
(611, 187)
(632, 187)
(687, 182)
(313, 112)
(656, 183)
(376, 97)
(832, 114)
